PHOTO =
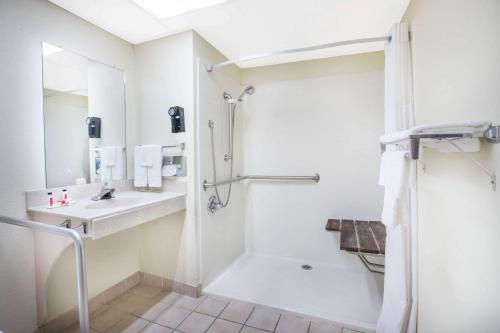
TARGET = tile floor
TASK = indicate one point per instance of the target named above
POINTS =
(151, 310)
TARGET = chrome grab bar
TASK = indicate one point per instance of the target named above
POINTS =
(83, 309)
(207, 185)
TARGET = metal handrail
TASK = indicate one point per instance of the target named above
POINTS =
(207, 185)
(83, 309)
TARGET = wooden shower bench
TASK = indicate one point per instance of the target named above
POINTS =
(363, 238)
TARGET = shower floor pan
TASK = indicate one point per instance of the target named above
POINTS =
(348, 297)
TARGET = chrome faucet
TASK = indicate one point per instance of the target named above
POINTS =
(106, 192)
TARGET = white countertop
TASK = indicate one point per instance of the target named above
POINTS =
(123, 202)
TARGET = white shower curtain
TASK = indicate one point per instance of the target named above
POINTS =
(398, 313)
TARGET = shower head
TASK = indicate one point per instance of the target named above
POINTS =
(247, 90)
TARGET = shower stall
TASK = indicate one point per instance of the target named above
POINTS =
(263, 238)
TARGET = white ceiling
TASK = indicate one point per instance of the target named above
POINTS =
(240, 28)
(64, 71)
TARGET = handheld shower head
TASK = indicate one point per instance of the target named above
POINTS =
(250, 90)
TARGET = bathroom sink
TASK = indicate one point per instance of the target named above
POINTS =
(115, 202)
(127, 209)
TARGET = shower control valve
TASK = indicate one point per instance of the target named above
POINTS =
(213, 205)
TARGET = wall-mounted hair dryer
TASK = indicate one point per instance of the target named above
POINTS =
(176, 114)
(94, 127)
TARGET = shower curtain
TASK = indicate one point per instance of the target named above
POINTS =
(398, 313)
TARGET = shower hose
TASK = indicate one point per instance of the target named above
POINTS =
(222, 204)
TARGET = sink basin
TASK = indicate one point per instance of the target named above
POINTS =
(127, 209)
(115, 203)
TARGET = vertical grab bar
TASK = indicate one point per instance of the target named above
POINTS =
(83, 308)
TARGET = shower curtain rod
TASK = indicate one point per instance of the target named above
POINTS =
(211, 67)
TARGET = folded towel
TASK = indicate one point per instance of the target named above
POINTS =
(112, 163)
(146, 157)
(473, 127)
(394, 176)
(120, 170)
(108, 156)
(147, 166)
(169, 170)
(140, 172)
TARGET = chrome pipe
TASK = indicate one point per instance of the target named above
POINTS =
(81, 271)
(315, 178)
(211, 67)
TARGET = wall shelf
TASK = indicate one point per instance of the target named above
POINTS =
(449, 132)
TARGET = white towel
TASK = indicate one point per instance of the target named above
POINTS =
(147, 166)
(140, 172)
(120, 170)
(169, 170)
(473, 127)
(112, 163)
(394, 176)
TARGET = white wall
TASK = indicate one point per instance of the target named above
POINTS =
(313, 117)
(64, 71)
(165, 78)
(221, 235)
(24, 24)
(457, 77)
(109, 260)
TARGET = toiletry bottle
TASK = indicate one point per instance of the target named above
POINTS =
(64, 195)
(50, 199)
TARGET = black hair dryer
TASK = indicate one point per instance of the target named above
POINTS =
(94, 127)
(176, 114)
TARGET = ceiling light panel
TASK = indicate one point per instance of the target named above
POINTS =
(162, 9)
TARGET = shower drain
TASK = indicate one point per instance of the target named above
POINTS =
(306, 267)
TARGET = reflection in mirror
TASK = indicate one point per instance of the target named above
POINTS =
(84, 119)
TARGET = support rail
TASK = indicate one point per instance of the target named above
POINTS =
(207, 185)
(83, 310)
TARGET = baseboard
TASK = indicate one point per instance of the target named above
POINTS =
(70, 317)
(170, 285)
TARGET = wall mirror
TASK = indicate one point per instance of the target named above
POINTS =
(84, 119)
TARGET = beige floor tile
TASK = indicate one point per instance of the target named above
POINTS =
(237, 311)
(145, 291)
(75, 328)
(130, 302)
(224, 326)
(106, 319)
(155, 328)
(263, 318)
(99, 311)
(248, 329)
(320, 327)
(167, 297)
(188, 302)
(196, 323)
(211, 306)
(150, 312)
(292, 324)
(347, 330)
(129, 324)
(172, 317)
